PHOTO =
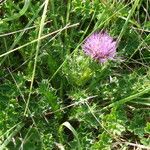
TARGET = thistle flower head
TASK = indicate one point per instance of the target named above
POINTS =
(100, 46)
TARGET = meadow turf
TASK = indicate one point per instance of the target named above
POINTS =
(53, 96)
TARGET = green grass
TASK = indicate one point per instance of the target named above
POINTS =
(53, 96)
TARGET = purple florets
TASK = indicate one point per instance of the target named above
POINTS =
(100, 46)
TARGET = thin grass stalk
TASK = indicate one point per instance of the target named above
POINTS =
(36, 53)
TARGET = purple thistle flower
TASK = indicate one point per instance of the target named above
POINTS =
(100, 46)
